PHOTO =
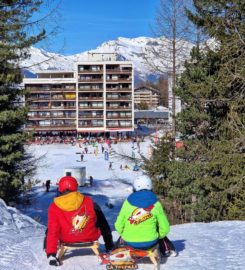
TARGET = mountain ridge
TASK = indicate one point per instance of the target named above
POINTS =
(136, 50)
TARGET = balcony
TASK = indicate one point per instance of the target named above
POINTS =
(121, 108)
(119, 80)
(64, 97)
(94, 79)
(118, 89)
(118, 71)
(63, 108)
(36, 117)
(89, 90)
(38, 98)
(37, 108)
(37, 89)
(63, 89)
(42, 89)
(90, 116)
(90, 108)
(90, 126)
(118, 124)
(65, 116)
(90, 71)
(120, 98)
(118, 117)
(91, 98)
(50, 127)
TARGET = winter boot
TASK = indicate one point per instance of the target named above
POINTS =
(167, 248)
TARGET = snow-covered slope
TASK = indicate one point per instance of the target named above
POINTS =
(20, 240)
(201, 246)
(135, 49)
(212, 246)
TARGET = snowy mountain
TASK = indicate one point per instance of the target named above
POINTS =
(136, 50)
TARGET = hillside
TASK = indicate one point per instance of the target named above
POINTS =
(201, 246)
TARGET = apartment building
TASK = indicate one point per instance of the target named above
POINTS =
(147, 95)
(52, 101)
(96, 97)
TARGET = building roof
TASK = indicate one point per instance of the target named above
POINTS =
(148, 88)
(151, 114)
(54, 71)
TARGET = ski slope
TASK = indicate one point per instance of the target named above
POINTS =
(216, 245)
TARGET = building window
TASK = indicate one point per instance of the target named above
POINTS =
(57, 114)
(125, 114)
(113, 123)
(113, 96)
(125, 123)
(97, 104)
(113, 105)
(58, 122)
(83, 104)
(45, 123)
(112, 114)
(97, 123)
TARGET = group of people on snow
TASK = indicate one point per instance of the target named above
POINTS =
(74, 217)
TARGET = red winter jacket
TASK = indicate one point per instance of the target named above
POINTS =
(71, 218)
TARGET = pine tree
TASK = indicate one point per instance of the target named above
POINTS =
(212, 88)
(207, 177)
(14, 44)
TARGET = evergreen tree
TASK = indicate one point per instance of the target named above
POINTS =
(212, 88)
(207, 177)
(14, 43)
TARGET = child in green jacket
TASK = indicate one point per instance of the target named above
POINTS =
(142, 222)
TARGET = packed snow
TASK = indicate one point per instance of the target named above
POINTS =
(216, 245)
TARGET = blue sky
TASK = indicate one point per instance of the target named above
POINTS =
(85, 24)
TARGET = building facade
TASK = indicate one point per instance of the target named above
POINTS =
(96, 97)
(147, 95)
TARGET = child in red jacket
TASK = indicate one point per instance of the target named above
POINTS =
(74, 217)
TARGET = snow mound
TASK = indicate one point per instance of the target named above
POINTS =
(12, 219)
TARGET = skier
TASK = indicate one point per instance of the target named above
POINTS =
(142, 222)
(72, 218)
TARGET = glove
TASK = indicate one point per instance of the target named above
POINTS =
(53, 260)
(109, 246)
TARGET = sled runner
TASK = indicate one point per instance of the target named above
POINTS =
(64, 247)
(127, 257)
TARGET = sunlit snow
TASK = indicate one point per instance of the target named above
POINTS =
(216, 245)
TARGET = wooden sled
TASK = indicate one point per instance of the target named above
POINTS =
(127, 257)
(64, 247)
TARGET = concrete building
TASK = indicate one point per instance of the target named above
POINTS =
(154, 119)
(147, 95)
(97, 97)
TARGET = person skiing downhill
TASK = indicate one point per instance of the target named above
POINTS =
(142, 222)
(72, 218)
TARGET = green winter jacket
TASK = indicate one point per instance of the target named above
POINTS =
(142, 218)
